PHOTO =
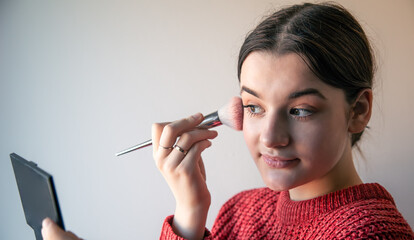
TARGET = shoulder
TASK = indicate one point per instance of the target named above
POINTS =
(372, 218)
(378, 218)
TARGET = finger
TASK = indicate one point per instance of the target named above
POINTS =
(156, 132)
(194, 154)
(50, 230)
(202, 169)
(186, 142)
(166, 135)
(187, 139)
(72, 235)
(173, 130)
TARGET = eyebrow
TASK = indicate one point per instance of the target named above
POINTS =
(307, 91)
(294, 95)
(248, 90)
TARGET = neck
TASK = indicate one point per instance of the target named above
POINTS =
(342, 175)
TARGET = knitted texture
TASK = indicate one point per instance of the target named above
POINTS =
(366, 211)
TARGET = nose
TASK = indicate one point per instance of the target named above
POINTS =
(275, 131)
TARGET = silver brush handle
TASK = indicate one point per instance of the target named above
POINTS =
(136, 147)
(211, 120)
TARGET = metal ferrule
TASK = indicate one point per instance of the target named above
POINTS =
(210, 120)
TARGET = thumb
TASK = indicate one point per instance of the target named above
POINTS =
(51, 231)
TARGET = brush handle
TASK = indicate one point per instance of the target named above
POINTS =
(136, 147)
(211, 120)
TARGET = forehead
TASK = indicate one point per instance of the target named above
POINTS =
(279, 75)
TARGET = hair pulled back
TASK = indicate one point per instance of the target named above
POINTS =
(327, 37)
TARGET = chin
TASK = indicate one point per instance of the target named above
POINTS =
(277, 183)
(277, 180)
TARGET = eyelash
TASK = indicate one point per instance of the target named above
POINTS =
(300, 110)
(251, 111)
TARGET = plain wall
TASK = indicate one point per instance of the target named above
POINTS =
(83, 79)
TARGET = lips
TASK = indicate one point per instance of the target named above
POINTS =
(279, 162)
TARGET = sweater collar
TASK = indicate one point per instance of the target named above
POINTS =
(290, 211)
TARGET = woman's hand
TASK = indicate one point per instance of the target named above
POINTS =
(182, 167)
(51, 231)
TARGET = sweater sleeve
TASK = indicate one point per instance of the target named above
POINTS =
(167, 232)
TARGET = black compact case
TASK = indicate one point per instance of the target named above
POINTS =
(37, 193)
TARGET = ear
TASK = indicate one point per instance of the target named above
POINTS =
(360, 111)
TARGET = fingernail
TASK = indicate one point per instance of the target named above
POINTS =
(197, 116)
(46, 222)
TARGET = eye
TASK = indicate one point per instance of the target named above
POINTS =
(253, 109)
(300, 113)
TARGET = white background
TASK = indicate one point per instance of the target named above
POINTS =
(83, 79)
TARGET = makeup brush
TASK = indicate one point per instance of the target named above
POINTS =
(230, 115)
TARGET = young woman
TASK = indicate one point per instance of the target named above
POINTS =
(305, 80)
(305, 77)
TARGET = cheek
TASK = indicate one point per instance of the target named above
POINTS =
(251, 135)
(322, 143)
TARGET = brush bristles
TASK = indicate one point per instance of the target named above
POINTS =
(231, 114)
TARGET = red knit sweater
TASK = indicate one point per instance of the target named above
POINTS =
(359, 212)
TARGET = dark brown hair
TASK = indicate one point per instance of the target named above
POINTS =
(328, 38)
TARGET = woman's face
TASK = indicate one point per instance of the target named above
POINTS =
(295, 126)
